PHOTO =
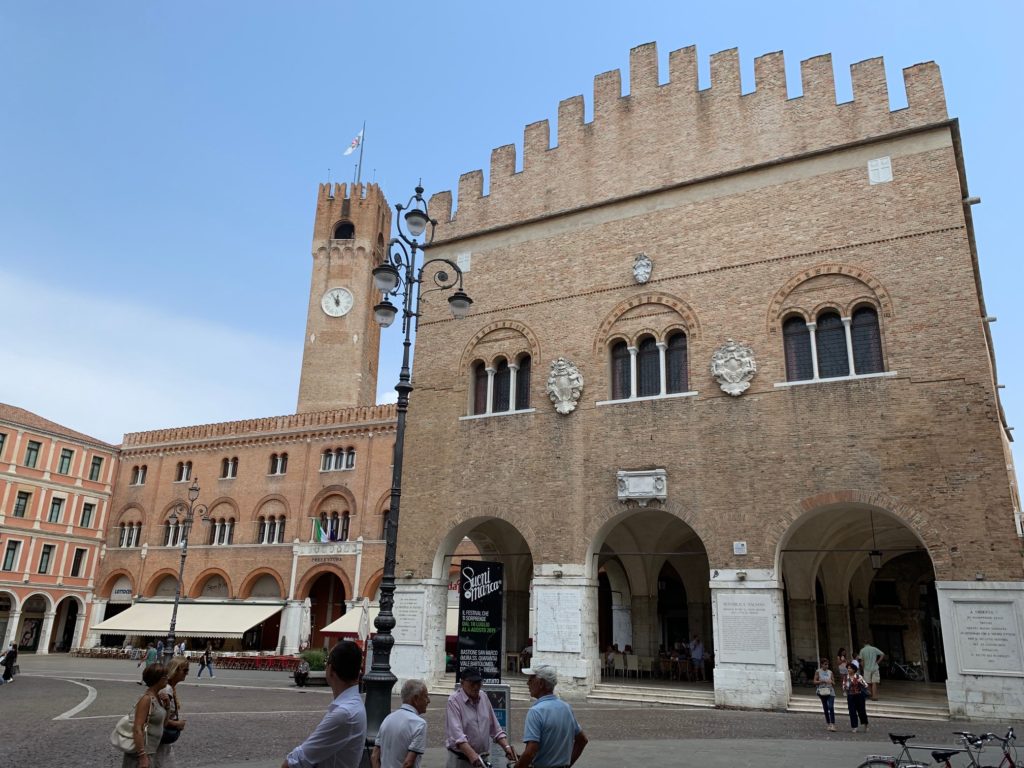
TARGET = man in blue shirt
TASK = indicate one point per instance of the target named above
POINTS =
(553, 737)
(339, 740)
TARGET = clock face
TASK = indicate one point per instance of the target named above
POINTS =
(337, 302)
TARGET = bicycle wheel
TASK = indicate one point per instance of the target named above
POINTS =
(915, 674)
(876, 764)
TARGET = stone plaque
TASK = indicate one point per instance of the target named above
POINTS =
(559, 621)
(408, 611)
(745, 629)
(989, 637)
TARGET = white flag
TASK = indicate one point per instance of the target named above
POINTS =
(355, 143)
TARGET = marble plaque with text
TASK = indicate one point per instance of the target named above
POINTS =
(559, 621)
(745, 627)
(989, 637)
(408, 611)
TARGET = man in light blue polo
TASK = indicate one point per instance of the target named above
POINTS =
(553, 737)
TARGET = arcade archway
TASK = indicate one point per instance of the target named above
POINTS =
(855, 573)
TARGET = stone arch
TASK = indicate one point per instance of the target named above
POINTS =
(508, 348)
(332, 490)
(861, 302)
(783, 530)
(689, 317)
(73, 598)
(372, 584)
(614, 513)
(124, 512)
(449, 541)
(15, 601)
(156, 579)
(257, 508)
(778, 306)
(314, 572)
(827, 306)
(245, 591)
(112, 578)
(47, 601)
(200, 582)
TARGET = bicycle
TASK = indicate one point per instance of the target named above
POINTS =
(1008, 743)
(941, 755)
(908, 670)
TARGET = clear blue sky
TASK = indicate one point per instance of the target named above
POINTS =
(159, 163)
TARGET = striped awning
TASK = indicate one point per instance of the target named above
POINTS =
(194, 619)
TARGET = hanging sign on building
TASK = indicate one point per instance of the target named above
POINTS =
(481, 589)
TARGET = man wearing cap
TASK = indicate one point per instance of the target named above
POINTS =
(553, 737)
(471, 725)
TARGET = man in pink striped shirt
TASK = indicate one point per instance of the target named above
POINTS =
(471, 726)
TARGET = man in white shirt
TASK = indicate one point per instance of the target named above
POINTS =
(339, 740)
(402, 738)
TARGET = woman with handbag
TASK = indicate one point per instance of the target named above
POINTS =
(138, 734)
(856, 695)
(825, 687)
(177, 671)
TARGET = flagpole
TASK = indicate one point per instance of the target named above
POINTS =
(362, 141)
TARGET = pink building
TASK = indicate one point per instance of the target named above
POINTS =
(55, 487)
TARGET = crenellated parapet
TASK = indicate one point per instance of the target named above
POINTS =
(669, 134)
(364, 205)
(272, 425)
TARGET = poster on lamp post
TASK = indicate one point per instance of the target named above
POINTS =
(481, 589)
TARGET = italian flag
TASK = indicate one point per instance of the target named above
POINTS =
(319, 534)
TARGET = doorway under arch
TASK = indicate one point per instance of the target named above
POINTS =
(326, 604)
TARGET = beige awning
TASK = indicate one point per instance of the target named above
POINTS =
(194, 619)
(349, 623)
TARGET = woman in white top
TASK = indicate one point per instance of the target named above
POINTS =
(825, 687)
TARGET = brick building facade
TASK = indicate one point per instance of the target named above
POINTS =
(682, 244)
(296, 504)
(55, 491)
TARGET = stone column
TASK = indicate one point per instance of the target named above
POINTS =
(517, 620)
(751, 669)
(291, 625)
(839, 629)
(421, 614)
(44, 633)
(567, 631)
(11, 635)
(984, 645)
(99, 607)
(803, 629)
(76, 637)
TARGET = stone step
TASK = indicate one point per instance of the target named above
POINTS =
(883, 709)
(652, 694)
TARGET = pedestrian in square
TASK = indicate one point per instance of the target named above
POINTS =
(870, 658)
(147, 661)
(206, 661)
(825, 687)
(402, 738)
(471, 725)
(856, 689)
(340, 738)
(8, 662)
(553, 737)
(177, 671)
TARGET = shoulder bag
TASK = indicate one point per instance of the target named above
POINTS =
(123, 736)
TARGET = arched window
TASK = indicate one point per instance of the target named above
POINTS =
(867, 341)
(280, 530)
(479, 389)
(339, 458)
(129, 535)
(648, 368)
(621, 371)
(344, 230)
(796, 340)
(326, 460)
(184, 472)
(261, 537)
(139, 475)
(523, 383)
(350, 458)
(830, 340)
(172, 533)
(676, 364)
(502, 386)
(343, 534)
(278, 463)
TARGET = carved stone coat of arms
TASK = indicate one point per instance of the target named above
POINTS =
(565, 385)
(733, 367)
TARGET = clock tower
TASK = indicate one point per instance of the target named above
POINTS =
(341, 349)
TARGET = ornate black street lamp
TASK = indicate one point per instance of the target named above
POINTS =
(399, 276)
(183, 515)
